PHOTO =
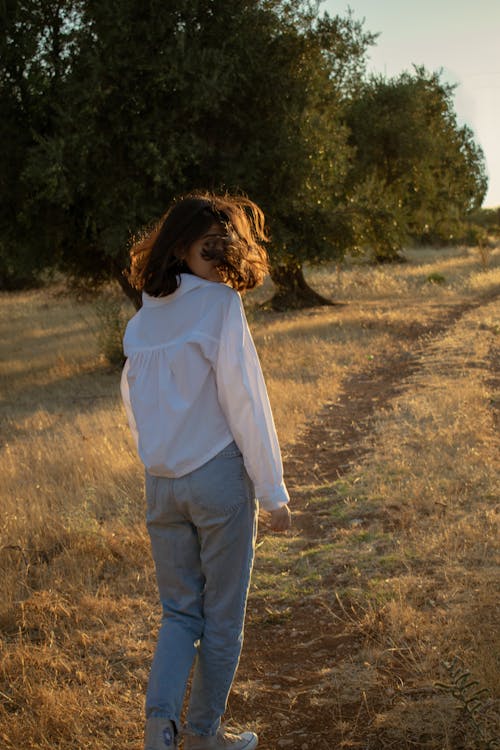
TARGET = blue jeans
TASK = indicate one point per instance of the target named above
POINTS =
(202, 528)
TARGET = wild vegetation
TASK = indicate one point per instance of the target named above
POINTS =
(366, 621)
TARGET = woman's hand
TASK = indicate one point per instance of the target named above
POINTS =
(281, 519)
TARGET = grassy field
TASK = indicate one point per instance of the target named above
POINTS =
(390, 574)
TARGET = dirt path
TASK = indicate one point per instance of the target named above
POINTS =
(348, 420)
(282, 672)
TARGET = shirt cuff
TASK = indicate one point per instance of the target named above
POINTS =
(272, 497)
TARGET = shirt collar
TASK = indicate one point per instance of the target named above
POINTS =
(188, 282)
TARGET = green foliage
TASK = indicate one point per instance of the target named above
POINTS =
(117, 107)
(408, 144)
(303, 153)
(35, 44)
(110, 110)
(474, 702)
(486, 218)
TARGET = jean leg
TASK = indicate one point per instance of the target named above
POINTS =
(176, 552)
(227, 553)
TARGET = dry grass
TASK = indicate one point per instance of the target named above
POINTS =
(433, 480)
(411, 553)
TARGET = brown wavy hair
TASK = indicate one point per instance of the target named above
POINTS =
(157, 255)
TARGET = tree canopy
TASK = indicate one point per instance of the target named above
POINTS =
(110, 110)
(428, 168)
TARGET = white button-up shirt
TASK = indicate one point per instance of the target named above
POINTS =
(192, 384)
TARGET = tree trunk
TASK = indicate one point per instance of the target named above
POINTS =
(134, 295)
(292, 291)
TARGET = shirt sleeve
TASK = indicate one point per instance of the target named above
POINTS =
(125, 391)
(244, 400)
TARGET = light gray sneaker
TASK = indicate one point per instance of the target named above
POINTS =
(223, 739)
(160, 734)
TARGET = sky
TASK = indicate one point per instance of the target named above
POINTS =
(459, 37)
